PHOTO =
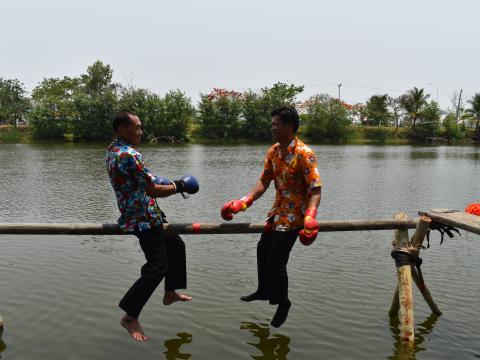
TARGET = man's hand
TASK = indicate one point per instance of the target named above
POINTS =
(310, 227)
(235, 206)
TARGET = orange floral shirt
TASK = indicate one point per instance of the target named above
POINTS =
(295, 173)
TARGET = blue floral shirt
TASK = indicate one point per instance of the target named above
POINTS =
(129, 177)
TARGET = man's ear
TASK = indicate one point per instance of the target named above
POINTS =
(121, 129)
(289, 124)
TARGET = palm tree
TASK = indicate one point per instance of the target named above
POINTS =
(377, 109)
(413, 102)
(474, 113)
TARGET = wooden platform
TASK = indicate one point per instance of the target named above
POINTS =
(455, 218)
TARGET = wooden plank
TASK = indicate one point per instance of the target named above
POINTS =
(200, 228)
(458, 219)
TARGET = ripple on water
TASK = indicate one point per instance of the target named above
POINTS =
(59, 294)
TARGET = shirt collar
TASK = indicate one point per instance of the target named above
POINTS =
(291, 146)
(122, 142)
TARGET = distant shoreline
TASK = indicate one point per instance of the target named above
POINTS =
(359, 135)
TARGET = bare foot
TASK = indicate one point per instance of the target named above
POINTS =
(172, 296)
(134, 328)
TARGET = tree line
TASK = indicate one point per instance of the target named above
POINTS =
(82, 108)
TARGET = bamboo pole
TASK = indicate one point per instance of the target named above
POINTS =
(421, 230)
(402, 243)
(404, 272)
(405, 313)
(427, 296)
(418, 237)
(195, 228)
(405, 294)
(400, 240)
(400, 235)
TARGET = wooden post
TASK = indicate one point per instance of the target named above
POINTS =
(405, 313)
(417, 240)
(405, 295)
(421, 230)
(401, 243)
(400, 240)
(427, 296)
(405, 274)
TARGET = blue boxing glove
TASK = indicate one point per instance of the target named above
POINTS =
(161, 181)
(187, 184)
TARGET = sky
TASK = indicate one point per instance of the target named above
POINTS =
(369, 46)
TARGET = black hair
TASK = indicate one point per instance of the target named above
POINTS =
(287, 114)
(122, 118)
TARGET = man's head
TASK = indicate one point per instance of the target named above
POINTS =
(127, 126)
(285, 123)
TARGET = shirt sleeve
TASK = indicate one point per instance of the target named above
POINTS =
(267, 173)
(132, 164)
(310, 170)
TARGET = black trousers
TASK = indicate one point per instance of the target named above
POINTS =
(273, 251)
(165, 255)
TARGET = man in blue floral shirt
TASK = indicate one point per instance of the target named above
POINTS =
(135, 188)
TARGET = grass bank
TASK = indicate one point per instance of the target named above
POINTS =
(12, 134)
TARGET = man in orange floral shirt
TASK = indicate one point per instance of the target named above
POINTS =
(293, 167)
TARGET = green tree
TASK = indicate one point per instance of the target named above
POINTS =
(148, 106)
(413, 102)
(256, 108)
(327, 119)
(474, 113)
(179, 112)
(13, 102)
(219, 114)
(395, 105)
(429, 122)
(281, 94)
(96, 103)
(377, 110)
(54, 112)
(256, 113)
(165, 118)
(450, 128)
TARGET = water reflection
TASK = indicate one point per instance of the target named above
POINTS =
(469, 156)
(415, 155)
(273, 347)
(378, 155)
(173, 346)
(408, 351)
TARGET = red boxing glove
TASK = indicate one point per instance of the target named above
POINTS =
(310, 227)
(235, 206)
(226, 212)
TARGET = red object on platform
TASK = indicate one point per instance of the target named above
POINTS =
(473, 209)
